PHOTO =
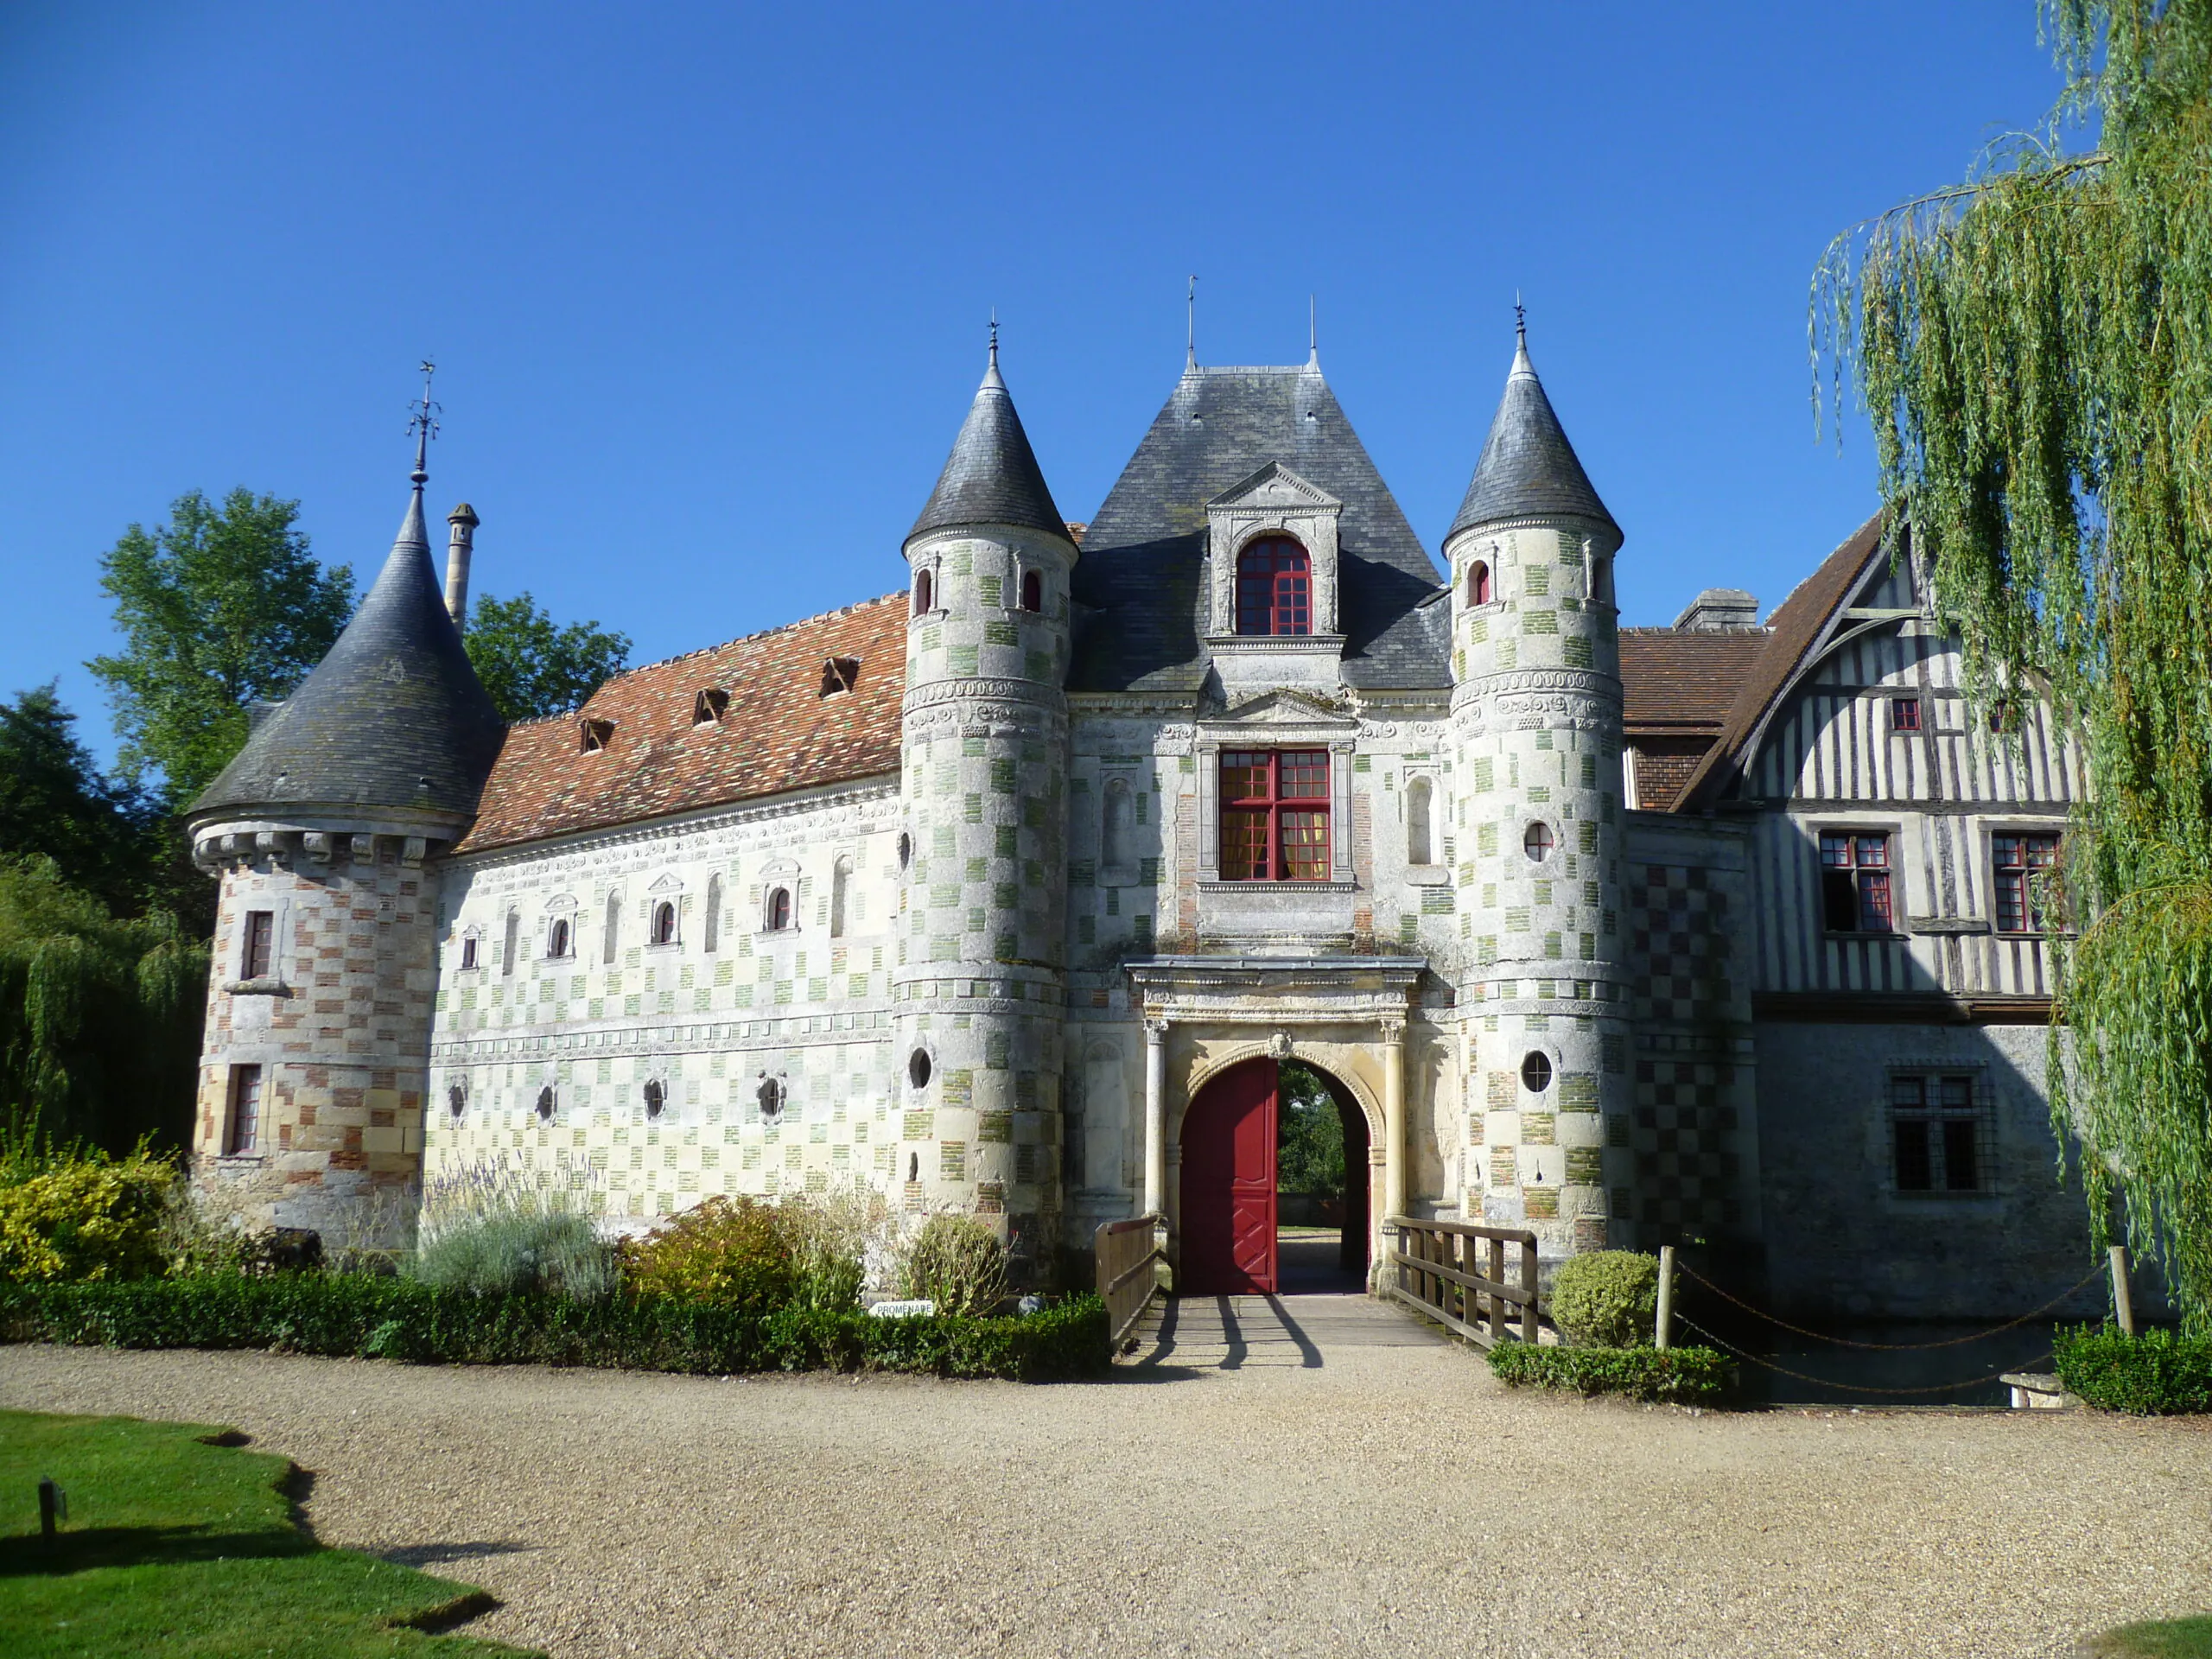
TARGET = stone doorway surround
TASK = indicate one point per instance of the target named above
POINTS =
(1345, 1015)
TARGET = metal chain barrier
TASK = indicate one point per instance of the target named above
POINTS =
(1854, 1388)
(1884, 1347)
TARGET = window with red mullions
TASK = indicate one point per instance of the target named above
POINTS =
(1274, 816)
(1855, 884)
(2017, 858)
(1275, 588)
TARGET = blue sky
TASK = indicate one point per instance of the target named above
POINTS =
(706, 285)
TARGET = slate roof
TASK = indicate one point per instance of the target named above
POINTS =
(1528, 467)
(991, 477)
(778, 732)
(394, 716)
(1684, 679)
(1795, 631)
(1138, 575)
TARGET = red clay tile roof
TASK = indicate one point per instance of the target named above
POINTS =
(778, 733)
(1685, 681)
(1798, 625)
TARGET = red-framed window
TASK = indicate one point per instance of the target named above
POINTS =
(1275, 815)
(1275, 588)
(2017, 858)
(260, 953)
(922, 592)
(1479, 583)
(243, 1129)
(1855, 884)
(1905, 714)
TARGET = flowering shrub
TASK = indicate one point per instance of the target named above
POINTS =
(84, 1215)
(724, 1252)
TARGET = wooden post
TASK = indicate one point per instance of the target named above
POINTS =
(2123, 1305)
(1529, 1328)
(1662, 1329)
(1496, 1276)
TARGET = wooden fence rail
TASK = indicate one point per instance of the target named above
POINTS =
(1455, 1273)
(1128, 1255)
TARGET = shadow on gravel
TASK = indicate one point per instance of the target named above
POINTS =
(434, 1555)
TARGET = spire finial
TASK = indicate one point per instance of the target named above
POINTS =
(1313, 332)
(1520, 321)
(424, 425)
(995, 336)
(1190, 337)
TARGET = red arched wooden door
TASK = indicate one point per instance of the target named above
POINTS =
(1229, 1185)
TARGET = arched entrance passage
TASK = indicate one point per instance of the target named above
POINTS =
(1229, 1202)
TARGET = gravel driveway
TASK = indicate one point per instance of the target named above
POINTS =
(1351, 1487)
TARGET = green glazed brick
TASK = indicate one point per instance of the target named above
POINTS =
(1509, 652)
(998, 1051)
(996, 1127)
(1002, 777)
(1552, 946)
(1570, 547)
(1502, 1173)
(1542, 1202)
(1575, 650)
(1578, 1091)
(1617, 1133)
(1438, 901)
(952, 1160)
(1585, 1165)
(1538, 622)
(973, 746)
(1000, 633)
(986, 588)
(1516, 919)
(1538, 1129)
(1486, 840)
(1539, 579)
(971, 810)
(1589, 946)
(1502, 1096)
(1037, 664)
(1484, 770)
(961, 659)
(958, 1088)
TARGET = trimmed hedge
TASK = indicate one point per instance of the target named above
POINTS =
(1682, 1376)
(346, 1314)
(2157, 1374)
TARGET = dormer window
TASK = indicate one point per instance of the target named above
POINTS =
(1478, 589)
(711, 706)
(1032, 591)
(840, 674)
(922, 586)
(596, 734)
(1275, 588)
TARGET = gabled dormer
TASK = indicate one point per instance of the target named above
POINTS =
(1272, 583)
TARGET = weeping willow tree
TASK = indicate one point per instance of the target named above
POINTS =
(99, 1017)
(2033, 347)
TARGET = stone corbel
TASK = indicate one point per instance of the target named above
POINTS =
(362, 849)
(413, 850)
(317, 845)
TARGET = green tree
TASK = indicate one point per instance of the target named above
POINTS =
(2034, 349)
(99, 1016)
(54, 804)
(1309, 1136)
(532, 667)
(221, 606)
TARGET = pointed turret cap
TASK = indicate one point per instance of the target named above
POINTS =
(394, 716)
(1529, 469)
(991, 477)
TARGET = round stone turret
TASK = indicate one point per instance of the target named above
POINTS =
(979, 983)
(1536, 718)
(314, 1068)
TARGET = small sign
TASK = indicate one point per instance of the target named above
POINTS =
(903, 1310)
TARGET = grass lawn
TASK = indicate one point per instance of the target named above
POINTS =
(176, 1547)
(2180, 1638)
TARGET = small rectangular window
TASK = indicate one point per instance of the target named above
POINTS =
(2017, 859)
(259, 956)
(468, 951)
(1855, 884)
(239, 1134)
(1940, 1125)
(1905, 714)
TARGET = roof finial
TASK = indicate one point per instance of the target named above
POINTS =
(424, 425)
(1520, 321)
(995, 336)
(1191, 338)
(1313, 332)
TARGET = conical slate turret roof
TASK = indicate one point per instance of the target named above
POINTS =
(991, 476)
(393, 717)
(1529, 469)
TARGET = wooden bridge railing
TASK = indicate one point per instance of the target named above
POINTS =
(1455, 1273)
(1128, 1255)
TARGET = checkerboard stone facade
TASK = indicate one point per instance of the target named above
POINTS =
(339, 1025)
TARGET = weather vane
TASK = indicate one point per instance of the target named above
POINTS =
(1520, 317)
(995, 336)
(423, 424)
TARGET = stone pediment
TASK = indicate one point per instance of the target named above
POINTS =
(1274, 488)
(1286, 707)
(669, 883)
